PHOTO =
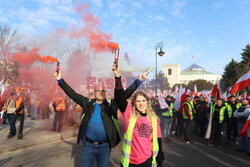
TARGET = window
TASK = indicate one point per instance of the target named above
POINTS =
(169, 71)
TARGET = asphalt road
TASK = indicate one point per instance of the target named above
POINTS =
(177, 153)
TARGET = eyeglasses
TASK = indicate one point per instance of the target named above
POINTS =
(100, 91)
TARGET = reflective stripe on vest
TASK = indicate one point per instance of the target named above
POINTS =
(18, 102)
(126, 145)
(222, 113)
(82, 116)
(18, 90)
(230, 110)
(212, 105)
(192, 103)
(169, 113)
(78, 108)
(190, 110)
(60, 104)
(116, 125)
(6, 105)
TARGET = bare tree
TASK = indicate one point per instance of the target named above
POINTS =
(8, 39)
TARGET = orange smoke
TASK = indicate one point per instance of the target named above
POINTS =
(98, 40)
(31, 56)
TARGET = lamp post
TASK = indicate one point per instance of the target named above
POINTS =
(160, 53)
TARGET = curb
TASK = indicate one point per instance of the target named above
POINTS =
(27, 145)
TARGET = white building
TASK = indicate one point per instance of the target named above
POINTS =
(193, 72)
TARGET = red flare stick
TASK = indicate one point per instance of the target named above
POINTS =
(57, 67)
(117, 56)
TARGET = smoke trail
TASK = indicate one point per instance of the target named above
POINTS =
(31, 56)
(83, 52)
(98, 40)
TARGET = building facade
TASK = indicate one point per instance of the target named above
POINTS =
(193, 72)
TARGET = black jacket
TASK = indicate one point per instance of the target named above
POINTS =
(121, 97)
(20, 108)
(201, 111)
(108, 112)
(216, 114)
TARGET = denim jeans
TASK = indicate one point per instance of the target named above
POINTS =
(165, 126)
(34, 111)
(90, 152)
(12, 123)
(59, 116)
(244, 141)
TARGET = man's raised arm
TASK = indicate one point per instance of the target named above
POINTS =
(79, 99)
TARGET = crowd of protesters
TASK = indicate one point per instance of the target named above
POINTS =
(228, 118)
(146, 124)
(22, 102)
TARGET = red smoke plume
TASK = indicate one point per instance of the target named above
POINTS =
(31, 56)
(98, 40)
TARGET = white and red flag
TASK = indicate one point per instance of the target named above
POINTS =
(170, 92)
(195, 92)
(176, 91)
(224, 96)
(206, 95)
(243, 82)
(189, 92)
(238, 96)
(3, 94)
(245, 131)
(209, 127)
(162, 101)
(164, 93)
(180, 99)
(216, 90)
(244, 96)
(1, 116)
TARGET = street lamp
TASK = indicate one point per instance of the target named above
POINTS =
(160, 53)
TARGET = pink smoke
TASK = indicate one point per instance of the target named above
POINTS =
(98, 40)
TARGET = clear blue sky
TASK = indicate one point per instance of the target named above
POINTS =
(213, 31)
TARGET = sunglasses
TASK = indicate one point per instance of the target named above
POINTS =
(100, 91)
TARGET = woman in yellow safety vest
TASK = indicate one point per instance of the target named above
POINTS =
(142, 145)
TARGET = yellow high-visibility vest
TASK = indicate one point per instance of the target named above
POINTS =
(190, 110)
(126, 145)
(230, 110)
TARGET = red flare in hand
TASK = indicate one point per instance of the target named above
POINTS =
(57, 67)
(117, 56)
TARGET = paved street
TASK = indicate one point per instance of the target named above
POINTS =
(178, 154)
(44, 148)
(63, 153)
(36, 132)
